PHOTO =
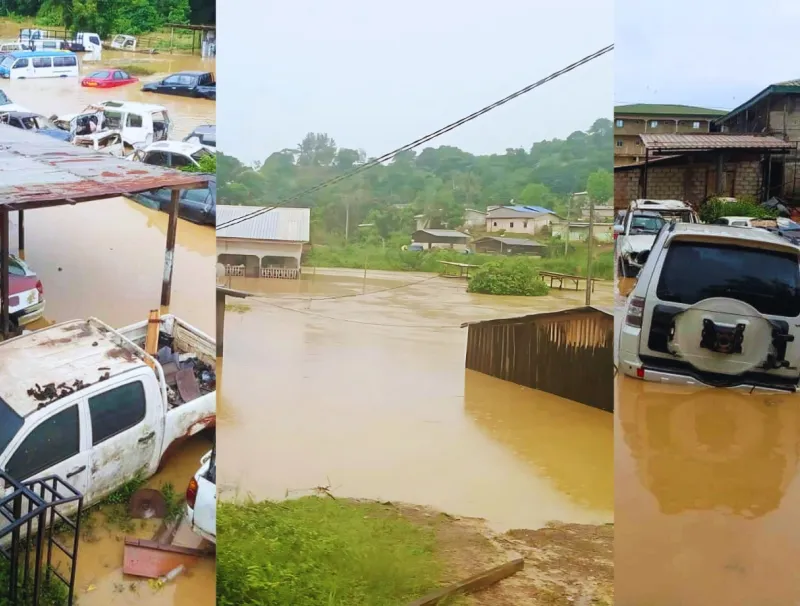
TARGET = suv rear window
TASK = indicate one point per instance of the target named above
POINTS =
(767, 280)
(10, 424)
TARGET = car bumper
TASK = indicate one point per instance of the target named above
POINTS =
(32, 313)
(211, 538)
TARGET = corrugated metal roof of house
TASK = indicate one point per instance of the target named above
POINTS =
(514, 241)
(444, 233)
(676, 142)
(787, 86)
(660, 109)
(282, 224)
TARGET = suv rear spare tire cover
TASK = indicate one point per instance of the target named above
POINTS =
(727, 316)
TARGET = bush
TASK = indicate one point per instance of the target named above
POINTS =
(508, 277)
(715, 208)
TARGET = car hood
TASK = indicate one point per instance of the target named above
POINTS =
(638, 243)
(13, 107)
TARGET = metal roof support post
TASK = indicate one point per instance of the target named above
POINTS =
(769, 177)
(21, 233)
(220, 322)
(4, 286)
(720, 174)
(646, 164)
(169, 255)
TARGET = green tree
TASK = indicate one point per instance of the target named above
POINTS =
(536, 194)
(600, 186)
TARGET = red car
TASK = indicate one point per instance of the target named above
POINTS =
(108, 78)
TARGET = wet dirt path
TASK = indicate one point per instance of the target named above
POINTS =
(49, 96)
(707, 495)
(100, 580)
(380, 406)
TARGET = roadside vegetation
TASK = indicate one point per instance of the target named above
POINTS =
(715, 208)
(375, 257)
(135, 69)
(329, 551)
(507, 277)
(208, 164)
(109, 16)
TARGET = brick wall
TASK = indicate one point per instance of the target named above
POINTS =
(687, 182)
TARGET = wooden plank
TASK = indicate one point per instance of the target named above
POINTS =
(472, 584)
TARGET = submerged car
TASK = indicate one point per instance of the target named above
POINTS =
(205, 135)
(195, 205)
(172, 154)
(34, 122)
(108, 78)
(715, 305)
(185, 84)
(137, 123)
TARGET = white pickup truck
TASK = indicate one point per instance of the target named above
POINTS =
(201, 498)
(85, 402)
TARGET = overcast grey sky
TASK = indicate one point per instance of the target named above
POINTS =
(377, 75)
(714, 53)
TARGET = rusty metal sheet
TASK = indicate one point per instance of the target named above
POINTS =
(187, 385)
(37, 171)
(143, 558)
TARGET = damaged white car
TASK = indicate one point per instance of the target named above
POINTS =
(636, 230)
(718, 306)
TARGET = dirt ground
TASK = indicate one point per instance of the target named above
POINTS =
(565, 564)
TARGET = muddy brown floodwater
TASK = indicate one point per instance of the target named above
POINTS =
(707, 494)
(49, 96)
(369, 395)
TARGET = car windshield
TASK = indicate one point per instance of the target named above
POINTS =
(10, 424)
(99, 75)
(788, 225)
(646, 224)
(768, 280)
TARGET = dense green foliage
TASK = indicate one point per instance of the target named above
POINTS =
(714, 208)
(439, 183)
(322, 552)
(507, 277)
(111, 16)
(208, 164)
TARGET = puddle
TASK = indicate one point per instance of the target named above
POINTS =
(389, 412)
(49, 96)
(100, 580)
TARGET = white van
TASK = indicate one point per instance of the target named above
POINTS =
(139, 124)
(39, 64)
(10, 47)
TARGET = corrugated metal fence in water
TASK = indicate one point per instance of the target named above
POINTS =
(567, 353)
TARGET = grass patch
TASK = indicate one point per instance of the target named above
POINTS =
(237, 308)
(507, 277)
(325, 552)
(135, 69)
(53, 592)
(393, 259)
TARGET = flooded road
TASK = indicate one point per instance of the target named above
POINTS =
(49, 96)
(100, 580)
(707, 494)
(369, 395)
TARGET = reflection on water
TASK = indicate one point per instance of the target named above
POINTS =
(100, 580)
(50, 96)
(388, 412)
(707, 496)
(106, 259)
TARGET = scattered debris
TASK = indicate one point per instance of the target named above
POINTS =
(147, 503)
(475, 583)
(143, 558)
(51, 392)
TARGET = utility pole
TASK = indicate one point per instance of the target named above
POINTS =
(590, 244)
(347, 221)
(566, 227)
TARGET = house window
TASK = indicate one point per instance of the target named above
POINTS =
(524, 224)
(511, 225)
(653, 123)
(620, 123)
(695, 125)
(619, 142)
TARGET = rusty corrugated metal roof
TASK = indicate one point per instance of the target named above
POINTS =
(277, 223)
(680, 142)
(37, 170)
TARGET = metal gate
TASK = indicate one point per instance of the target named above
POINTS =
(30, 516)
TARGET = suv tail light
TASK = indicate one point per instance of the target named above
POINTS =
(191, 493)
(635, 312)
(616, 235)
(40, 288)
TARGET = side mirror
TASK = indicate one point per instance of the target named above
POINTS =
(619, 229)
(642, 257)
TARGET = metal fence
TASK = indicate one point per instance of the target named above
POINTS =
(30, 514)
(567, 353)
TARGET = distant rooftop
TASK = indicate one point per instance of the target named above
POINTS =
(443, 233)
(81, 351)
(281, 224)
(657, 109)
(779, 88)
(514, 241)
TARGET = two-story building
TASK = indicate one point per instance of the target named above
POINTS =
(773, 111)
(630, 121)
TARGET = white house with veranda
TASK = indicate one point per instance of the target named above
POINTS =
(268, 245)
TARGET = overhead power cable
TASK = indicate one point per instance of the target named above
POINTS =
(417, 142)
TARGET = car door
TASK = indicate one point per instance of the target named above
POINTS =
(56, 445)
(169, 85)
(124, 430)
(194, 204)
